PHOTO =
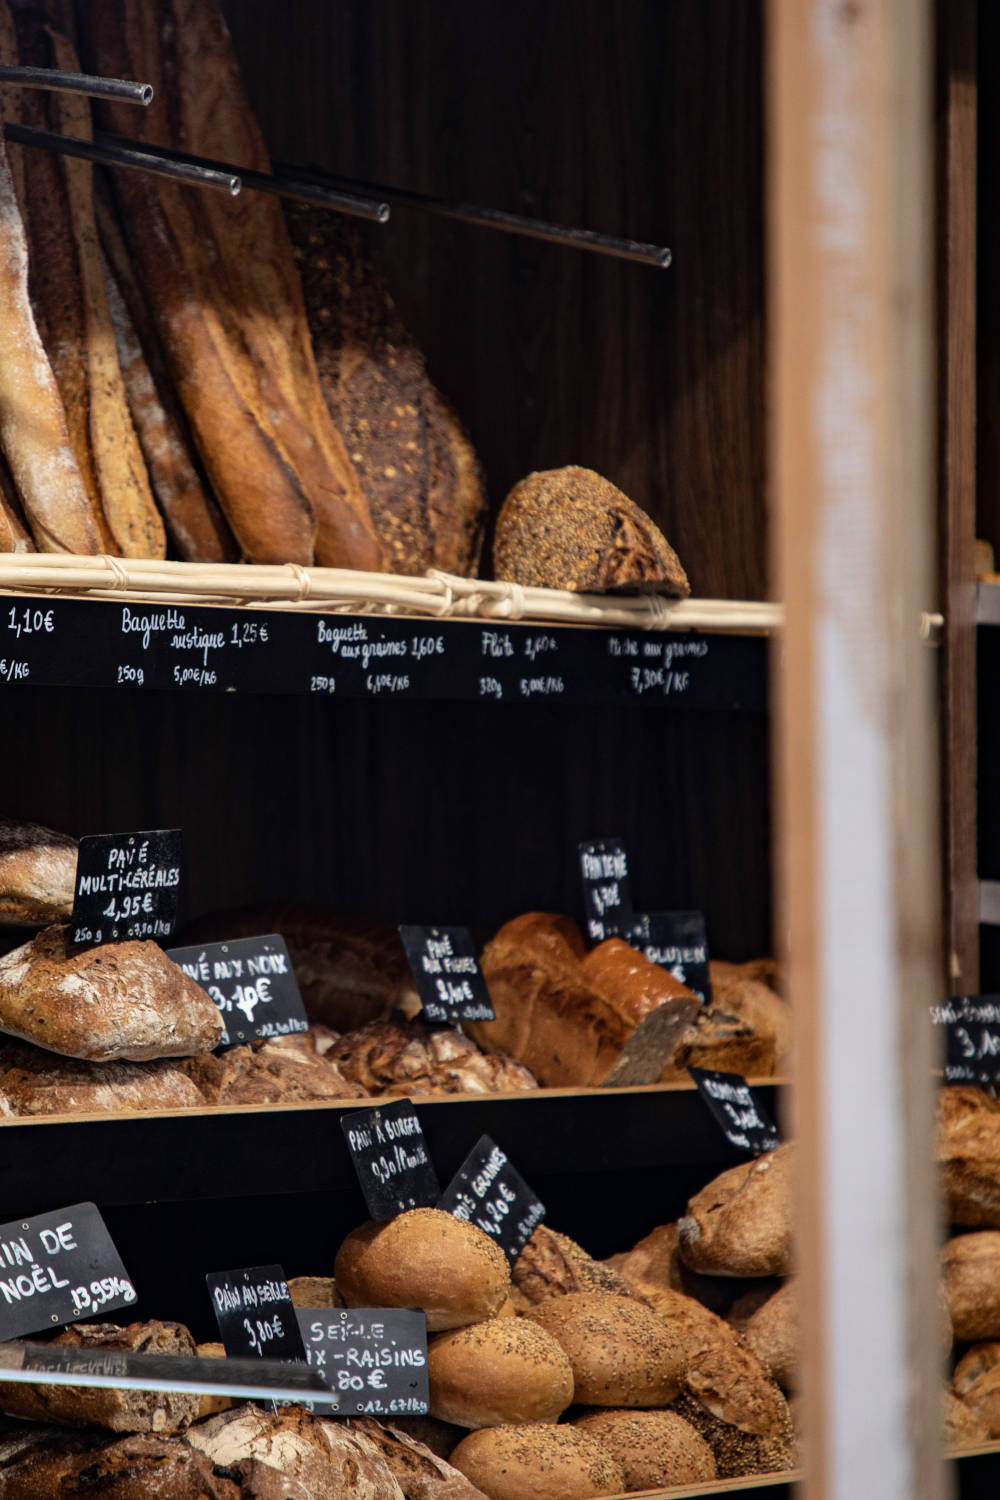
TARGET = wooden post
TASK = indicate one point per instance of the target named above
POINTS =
(851, 238)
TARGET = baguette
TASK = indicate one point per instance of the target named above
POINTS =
(33, 430)
(14, 533)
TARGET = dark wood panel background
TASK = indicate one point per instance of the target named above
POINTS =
(640, 118)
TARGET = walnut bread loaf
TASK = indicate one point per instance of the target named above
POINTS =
(572, 529)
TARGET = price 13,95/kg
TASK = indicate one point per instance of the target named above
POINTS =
(98, 1293)
(28, 621)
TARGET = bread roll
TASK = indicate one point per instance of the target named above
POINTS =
(34, 1082)
(653, 1449)
(976, 1383)
(971, 1267)
(37, 873)
(621, 1352)
(501, 1371)
(122, 1000)
(537, 1463)
(551, 1264)
(324, 1458)
(428, 1259)
(572, 529)
(961, 1424)
(120, 1410)
(969, 1156)
(772, 1332)
(741, 1223)
(738, 1453)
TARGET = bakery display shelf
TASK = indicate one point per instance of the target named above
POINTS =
(244, 1151)
(130, 642)
(771, 1486)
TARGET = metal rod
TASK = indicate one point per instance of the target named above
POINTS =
(118, 156)
(60, 82)
(495, 218)
(262, 182)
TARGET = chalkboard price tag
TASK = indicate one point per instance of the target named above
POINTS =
(252, 982)
(743, 1119)
(391, 1159)
(972, 1038)
(607, 894)
(490, 1193)
(449, 980)
(57, 1268)
(374, 1359)
(127, 886)
(255, 1314)
(676, 941)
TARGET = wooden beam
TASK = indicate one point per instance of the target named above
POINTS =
(851, 236)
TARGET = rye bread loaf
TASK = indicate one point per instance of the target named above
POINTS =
(498, 1372)
(772, 1332)
(572, 529)
(538, 1463)
(122, 1000)
(328, 1459)
(420, 1473)
(968, 1150)
(37, 873)
(314, 1291)
(740, 1224)
(34, 1082)
(33, 434)
(654, 1449)
(428, 1259)
(222, 280)
(417, 469)
(551, 1265)
(621, 1352)
(119, 1410)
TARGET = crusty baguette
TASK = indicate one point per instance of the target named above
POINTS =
(123, 484)
(196, 525)
(14, 533)
(223, 285)
(33, 432)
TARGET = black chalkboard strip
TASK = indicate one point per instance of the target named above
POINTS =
(740, 1115)
(127, 886)
(489, 1191)
(972, 1038)
(58, 1268)
(252, 982)
(391, 1158)
(255, 1313)
(374, 1359)
(447, 974)
(607, 893)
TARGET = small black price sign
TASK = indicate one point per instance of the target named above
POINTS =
(676, 941)
(607, 894)
(449, 980)
(255, 1313)
(391, 1159)
(743, 1119)
(374, 1359)
(57, 1268)
(252, 982)
(490, 1193)
(127, 886)
(972, 1038)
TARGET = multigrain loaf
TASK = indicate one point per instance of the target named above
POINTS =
(122, 1000)
(428, 1259)
(538, 1463)
(971, 1269)
(417, 469)
(968, 1149)
(736, 1452)
(223, 283)
(37, 873)
(498, 1372)
(573, 529)
(654, 1449)
(740, 1224)
(621, 1352)
(119, 1410)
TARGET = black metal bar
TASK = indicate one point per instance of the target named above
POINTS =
(262, 182)
(494, 218)
(118, 156)
(60, 82)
